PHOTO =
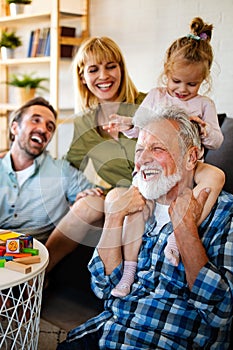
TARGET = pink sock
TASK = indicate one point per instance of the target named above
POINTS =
(123, 287)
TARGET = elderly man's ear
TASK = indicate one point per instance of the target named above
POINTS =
(192, 158)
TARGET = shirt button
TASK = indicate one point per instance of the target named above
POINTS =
(152, 268)
(160, 240)
(115, 317)
(15, 215)
(15, 186)
(139, 282)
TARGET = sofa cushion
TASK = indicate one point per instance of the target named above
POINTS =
(222, 157)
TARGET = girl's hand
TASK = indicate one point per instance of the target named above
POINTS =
(202, 125)
(118, 123)
(90, 192)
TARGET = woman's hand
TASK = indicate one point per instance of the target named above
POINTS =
(90, 192)
(118, 123)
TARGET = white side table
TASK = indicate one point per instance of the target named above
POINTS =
(20, 304)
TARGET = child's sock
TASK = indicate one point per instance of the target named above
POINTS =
(171, 251)
(123, 287)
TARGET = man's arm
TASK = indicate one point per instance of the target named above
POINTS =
(110, 244)
(185, 212)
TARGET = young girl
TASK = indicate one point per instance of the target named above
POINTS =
(187, 66)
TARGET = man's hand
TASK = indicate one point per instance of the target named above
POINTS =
(185, 212)
(187, 208)
(125, 203)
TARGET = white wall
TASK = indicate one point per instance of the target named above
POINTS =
(145, 28)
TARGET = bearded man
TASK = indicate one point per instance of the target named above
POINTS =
(188, 306)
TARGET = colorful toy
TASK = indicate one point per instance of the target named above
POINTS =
(17, 252)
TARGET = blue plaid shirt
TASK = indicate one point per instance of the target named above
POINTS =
(161, 312)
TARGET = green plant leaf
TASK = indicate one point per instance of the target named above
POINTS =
(26, 2)
(10, 40)
(27, 81)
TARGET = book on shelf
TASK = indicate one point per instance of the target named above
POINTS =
(47, 44)
(39, 42)
(35, 42)
(38, 45)
(30, 43)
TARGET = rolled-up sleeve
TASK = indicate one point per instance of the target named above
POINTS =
(102, 284)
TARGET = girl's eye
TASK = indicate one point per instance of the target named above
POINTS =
(175, 81)
(192, 84)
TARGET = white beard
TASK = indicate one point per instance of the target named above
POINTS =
(157, 188)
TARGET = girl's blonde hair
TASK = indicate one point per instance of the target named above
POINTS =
(102, 49)
(192, 48)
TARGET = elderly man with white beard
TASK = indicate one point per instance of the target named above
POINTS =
(188, 306)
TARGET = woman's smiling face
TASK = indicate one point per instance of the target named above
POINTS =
(102, 79)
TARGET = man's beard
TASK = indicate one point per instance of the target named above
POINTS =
(30, 151)
(154, 189)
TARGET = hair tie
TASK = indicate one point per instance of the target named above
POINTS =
(203, 36)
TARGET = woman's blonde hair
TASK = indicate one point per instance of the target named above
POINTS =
(192, 48)
(102, 49)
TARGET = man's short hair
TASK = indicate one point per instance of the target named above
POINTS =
(16, 115)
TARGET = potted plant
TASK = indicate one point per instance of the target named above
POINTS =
(17, 6)
(27, 85)
(8, 42)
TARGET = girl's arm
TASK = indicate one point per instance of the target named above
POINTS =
(207, 175)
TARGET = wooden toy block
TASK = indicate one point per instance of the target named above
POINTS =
(7, 258)
(15, 266)
(13, 245)
(4, 235)
(28, 260)
(18, 255)
(30, 250)
(2, 250)
(26, 242)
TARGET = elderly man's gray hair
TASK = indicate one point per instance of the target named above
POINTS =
(188, 130)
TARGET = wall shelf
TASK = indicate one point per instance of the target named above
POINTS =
(53, 19)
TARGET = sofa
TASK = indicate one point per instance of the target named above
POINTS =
(222, 157)
(70, 280)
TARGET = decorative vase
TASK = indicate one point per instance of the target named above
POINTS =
(24, 95)
(6, 53)
(16, 9)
